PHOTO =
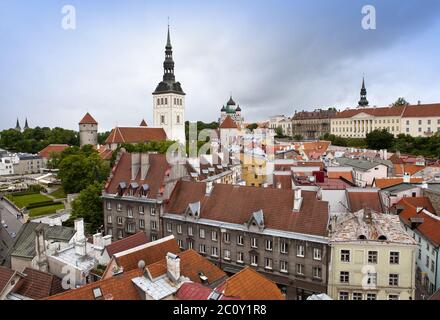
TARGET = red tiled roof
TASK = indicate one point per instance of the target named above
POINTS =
(282, 181)
(359, 200)
(5, 277)
(191, 265)
(51, 149)
(193, 291)
(136, 135)
(423, 110)
(347, 175)
(119, 287)
(435, 296)
(88, 119)
(400, 169)
(383, 183)
(377, 112)
(149, 253)
(154, 178)
(248, 284)
(430, 226)
(225, 203)
(229, 123)
(38, 285)
(127, 243)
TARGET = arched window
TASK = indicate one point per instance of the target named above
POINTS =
(162, 119)
(161, 100)
(158, 101)
(166, 100)
(178, 119)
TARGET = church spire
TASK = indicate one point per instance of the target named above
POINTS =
(17, 126)
(168, 65)
(363, 102)
(26, 126)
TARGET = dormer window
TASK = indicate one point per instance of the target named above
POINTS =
(121, 188)
(97, 293)
(144, 190)
(382, 238)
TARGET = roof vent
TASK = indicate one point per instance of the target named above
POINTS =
(203, 278)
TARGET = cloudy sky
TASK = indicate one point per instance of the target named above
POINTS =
(275, 57)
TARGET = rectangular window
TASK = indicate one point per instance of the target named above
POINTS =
(371, 278)
(268, 263)
(214, 235)
(254, 260)
(240, 240)
(372, 257)
(131, 227)
(227, 237)
(345, 255)
(300, 269)
(394, 257)
(109, 219)
(317, 255)
(343, 295)
(227, 254)
(153, 211)
(141, 209)
(153, 225)
(180, 243)
(190, 231)
(179, 229)
(190, 245)
(317, 272)
(130, 212)
(120, 220)
(432, 266)
(240, 257)
(202, 248)
(120, 234)
(142, 224)
(202, 233)
(357, 296)
(393, 280)
(300, 251)
(119, 207)
(284, 247)
(254, 242)
(393, 297)
(284, 266)
(269, 245)
(169, 227)
(344, 277)
(109, 205)
(371, 296)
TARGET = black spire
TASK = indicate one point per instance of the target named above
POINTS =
(26, 126)
(363, 102)
(169, 83)
(17, 126)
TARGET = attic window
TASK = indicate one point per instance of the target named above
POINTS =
(362, 237)
(97, 293)
(382, 238)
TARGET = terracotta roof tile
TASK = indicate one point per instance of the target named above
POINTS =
(191, 264)
(400, 169)
(51, 149)
(5, 276)
(119, 287)
(344, 174)
(88, 119)
(38, 285)
(225, 203)
(229, 123)
(136, 135)
(424, 110)
(193, 291)
(430, 226)
(377, 112)
(383, 183)
(358, 200)
(248, 284)
(127, 243)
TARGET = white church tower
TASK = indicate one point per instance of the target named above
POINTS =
(169, 100)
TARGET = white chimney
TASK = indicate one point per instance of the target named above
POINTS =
(406, 178)
(97, 240)
(298, 199)
(145, 164)
(135, 164)
(425, 185)
(106, 241)
(385, 154)
(79, 228)
(173, 266)
(209, 186)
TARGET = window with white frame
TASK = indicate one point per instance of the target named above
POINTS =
(284, 266)
(214, 235)
(393, 297)
(190, 231)
(372, 278)
(153, 237)
(169, 227)
(371, 296)
(240, 240)
(357, 296)
(119, 207)
(300, 251)
(131, 227)
(299, 269)
(214, 251)
(130, 212)
(268, 263)
(179, 229)
(345, 255)
(254, 260)
(109, 205)
(227, 254)
(180, 243)
(372, 257)
(153, 225)
(269, 245)
(202, 233)
(119, 220)
(317, 254)
(344, 277)
(190, 245)
(120, 234)
(394, 257)
(393, 280)
(142, 224)
(240, 257)
(343, 295)
(227, 237)
(153, 211)
(317, 272)
(109, 219)
(284, 248)
(254, 242)
(141, 209)
(202, 248)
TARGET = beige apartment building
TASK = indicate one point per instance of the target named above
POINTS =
(415, 120)
(372, 258)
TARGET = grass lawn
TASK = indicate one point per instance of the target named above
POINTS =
(45, 210)
(23, 201)
(59, 193)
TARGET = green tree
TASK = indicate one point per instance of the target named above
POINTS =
(89, 206)
(252, 126)
(102, 136)
(279, 132)
(298, 137)
(400, 102)
(379, 139)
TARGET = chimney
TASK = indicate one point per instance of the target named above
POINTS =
(106, 241)
(209, 187)
(79, 228)
(419, 102)
(145, 164)
(385, 154)
(173, 267)
(406, 178)
(425, 185)
(297, 201)
(97, 240)
(40, 249)
(135, 164)
(368, 218)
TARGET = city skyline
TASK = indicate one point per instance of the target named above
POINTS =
(285, 64)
